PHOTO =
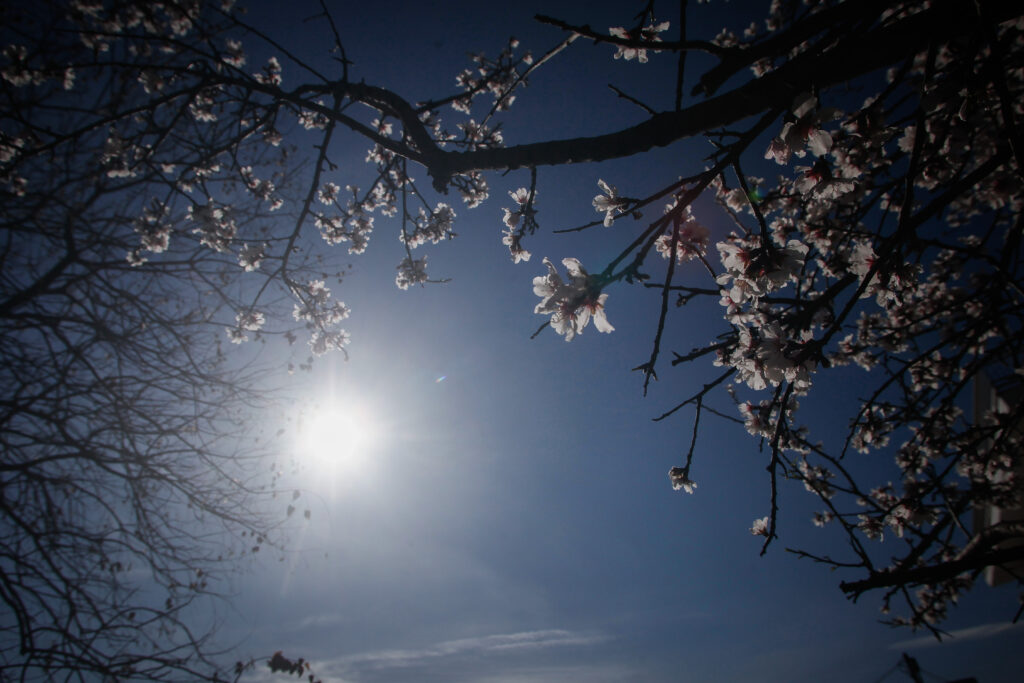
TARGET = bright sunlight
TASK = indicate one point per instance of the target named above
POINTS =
(336, 436)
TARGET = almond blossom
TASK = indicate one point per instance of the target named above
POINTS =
(513, 240)
(690, 236)
(805, 131)
(411, 272)
(647, 34)
(753, 271)
(680, 479)
(610, 202)
(526, 209)
(571, 304)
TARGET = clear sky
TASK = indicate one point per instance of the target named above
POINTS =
(512, 521)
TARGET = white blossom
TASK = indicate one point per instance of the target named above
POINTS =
(680, 480)
(250, 320)
(328, 194)
(803, 132)
(411, 272)
(571, 304)
(251, 255)
(610, 202)
(432, 227)
(691, 240)
(648, 34)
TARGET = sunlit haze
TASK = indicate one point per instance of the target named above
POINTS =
(336, 437)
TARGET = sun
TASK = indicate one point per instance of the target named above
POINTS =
(337, 437)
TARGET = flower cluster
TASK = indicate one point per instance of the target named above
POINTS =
(499, 77)
(691, 238)
(353, 223)
(432, 227)
(214, 226)
(680, 479)
(765, 357)
(526, 214)
(411, 272)
(316, 306)
(251, 321)
(804, 131)
(571, 304)
(752, 270)
(154, 232)
(610, 203)
(646, 34)
(251, 255)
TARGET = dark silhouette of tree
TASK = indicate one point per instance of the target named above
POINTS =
(130, 474)
(142, 153)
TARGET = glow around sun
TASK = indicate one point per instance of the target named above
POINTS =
(336, 437)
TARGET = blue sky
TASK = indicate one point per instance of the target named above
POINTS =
(514, 522)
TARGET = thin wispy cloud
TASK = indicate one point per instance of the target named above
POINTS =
(320, 621)
(493, 644)
(960, 635)
(572, 673)
(498, 658)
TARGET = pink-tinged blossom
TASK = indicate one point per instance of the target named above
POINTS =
(328, 194)
(779, 151)
(234, 55)
(271, 74)
(765, 357)
(610, 202)
(805, 132)
(755, 419)
(525, 207)
(753, 271)
(691, 241)
(648, 34)
(820, 182)
(862, 260)
(571, 304)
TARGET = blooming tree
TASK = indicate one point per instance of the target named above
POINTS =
(146, 173)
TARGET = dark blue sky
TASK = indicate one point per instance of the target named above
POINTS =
(514, 522)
